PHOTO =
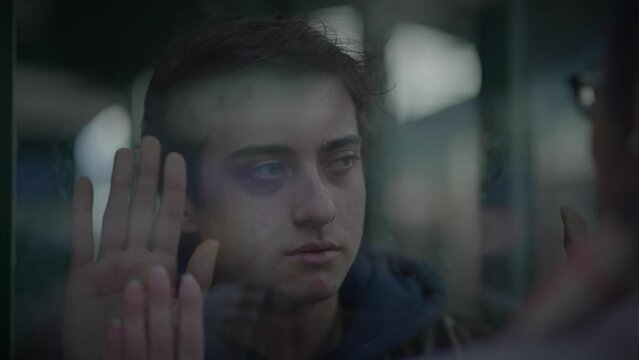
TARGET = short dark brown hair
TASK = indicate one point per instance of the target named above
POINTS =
(285, 45)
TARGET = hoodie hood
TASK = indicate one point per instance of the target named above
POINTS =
(386, 300)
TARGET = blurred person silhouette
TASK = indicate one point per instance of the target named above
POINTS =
(602, 266)
(589, 308)
(263, 124)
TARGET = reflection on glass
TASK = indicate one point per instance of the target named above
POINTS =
(80, 96)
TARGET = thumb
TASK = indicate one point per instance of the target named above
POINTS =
(575, 227)
(202, 263)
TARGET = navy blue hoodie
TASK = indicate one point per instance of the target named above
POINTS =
(386, 301)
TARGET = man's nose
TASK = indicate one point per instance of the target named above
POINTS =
(314, 205)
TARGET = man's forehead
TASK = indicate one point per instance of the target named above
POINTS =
(251, 88)
(206, 103)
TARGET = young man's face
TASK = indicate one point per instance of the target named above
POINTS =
(282, 181)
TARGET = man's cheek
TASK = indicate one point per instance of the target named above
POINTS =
(355, 208)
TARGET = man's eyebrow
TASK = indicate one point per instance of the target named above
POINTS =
(261, 150)
(341, 142)
(275, 149)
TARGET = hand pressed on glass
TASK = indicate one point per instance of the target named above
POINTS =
(146, 330)
(135, 238)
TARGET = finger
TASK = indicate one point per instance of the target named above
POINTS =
(133, 321)
(82, 224)
(191, 322)
(115, 221)
(144, 198)
(575, 227)
(202, 263)
(160, 326)
(113, 343)
(169, 224)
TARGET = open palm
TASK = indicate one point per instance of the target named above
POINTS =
(136, 236)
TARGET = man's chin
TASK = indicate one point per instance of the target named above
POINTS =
(299, 298)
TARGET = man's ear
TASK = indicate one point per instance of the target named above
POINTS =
(189, 225)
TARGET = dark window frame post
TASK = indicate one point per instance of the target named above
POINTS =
(7, 174)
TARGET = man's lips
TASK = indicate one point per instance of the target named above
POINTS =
(314, 253)
(313, 247)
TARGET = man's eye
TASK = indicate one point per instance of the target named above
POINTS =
(343, 162)
(270, 170)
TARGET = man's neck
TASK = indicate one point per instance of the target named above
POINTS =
(306, 332)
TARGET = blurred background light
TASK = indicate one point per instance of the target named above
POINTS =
(429, 70)
(94, 151)
(98, 141)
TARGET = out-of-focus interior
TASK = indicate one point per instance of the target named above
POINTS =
(482, 141)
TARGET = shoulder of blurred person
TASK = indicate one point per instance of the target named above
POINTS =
(608, 335)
